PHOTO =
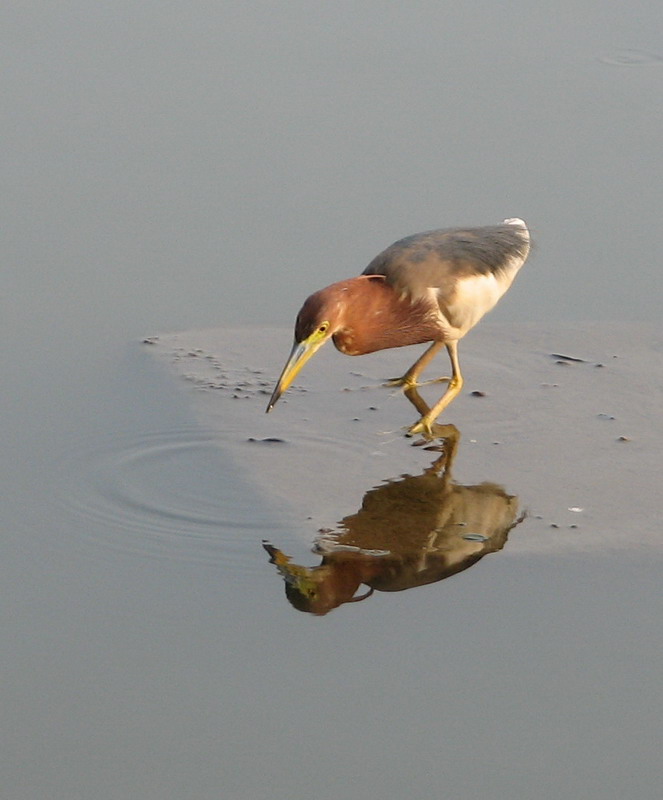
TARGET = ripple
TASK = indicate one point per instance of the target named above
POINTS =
(632, 58)
(170, 494)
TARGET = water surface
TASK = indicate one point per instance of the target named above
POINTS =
(185, 166)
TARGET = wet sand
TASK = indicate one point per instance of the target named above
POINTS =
(566, 418)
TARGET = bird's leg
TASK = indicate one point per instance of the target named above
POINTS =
(455, 386)
(412, 394)
(409, 380)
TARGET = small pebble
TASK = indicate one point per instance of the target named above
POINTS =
(477, 393)
(623, 438)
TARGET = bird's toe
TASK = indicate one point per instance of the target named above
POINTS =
(403, 381)
(423, 427)
(411, 383)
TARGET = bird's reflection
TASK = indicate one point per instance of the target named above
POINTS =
(409, 532)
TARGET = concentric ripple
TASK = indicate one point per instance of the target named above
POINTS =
(632, 58)
(169, 494)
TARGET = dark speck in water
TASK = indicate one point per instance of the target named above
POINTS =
(266, 440)
(562, 358)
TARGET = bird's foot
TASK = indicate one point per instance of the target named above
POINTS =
(424, 427)
(411, 383)
(403, 381)
(433, 431)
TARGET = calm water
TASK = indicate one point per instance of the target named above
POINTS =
(187, 165)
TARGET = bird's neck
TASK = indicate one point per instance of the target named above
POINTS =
(375, 317)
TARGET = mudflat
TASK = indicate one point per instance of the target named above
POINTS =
(567, 418)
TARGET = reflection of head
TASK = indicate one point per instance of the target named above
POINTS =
(319, 604)
(299, 600)
(317, 590)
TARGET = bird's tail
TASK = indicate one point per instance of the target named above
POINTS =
(518, 223)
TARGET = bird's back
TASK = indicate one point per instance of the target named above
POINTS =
(466, 270)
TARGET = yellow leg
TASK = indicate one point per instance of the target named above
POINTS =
(453, 390)
(409, 380)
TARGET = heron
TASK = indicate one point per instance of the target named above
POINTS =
(432, 287)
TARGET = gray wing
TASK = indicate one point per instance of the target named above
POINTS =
(437, 259)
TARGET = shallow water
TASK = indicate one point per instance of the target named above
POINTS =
(182, 166)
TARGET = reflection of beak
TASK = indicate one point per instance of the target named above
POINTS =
(301, 578)
(300, 354)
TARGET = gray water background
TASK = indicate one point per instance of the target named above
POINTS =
(175, 165)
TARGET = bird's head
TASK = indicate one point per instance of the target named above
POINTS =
(321, 316)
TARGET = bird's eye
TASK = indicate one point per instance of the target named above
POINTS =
(323, 328)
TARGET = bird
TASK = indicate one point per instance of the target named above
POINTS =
(432, 287)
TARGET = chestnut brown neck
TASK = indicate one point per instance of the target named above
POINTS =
(372, 316)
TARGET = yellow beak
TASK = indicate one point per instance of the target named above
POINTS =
(299, 355)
